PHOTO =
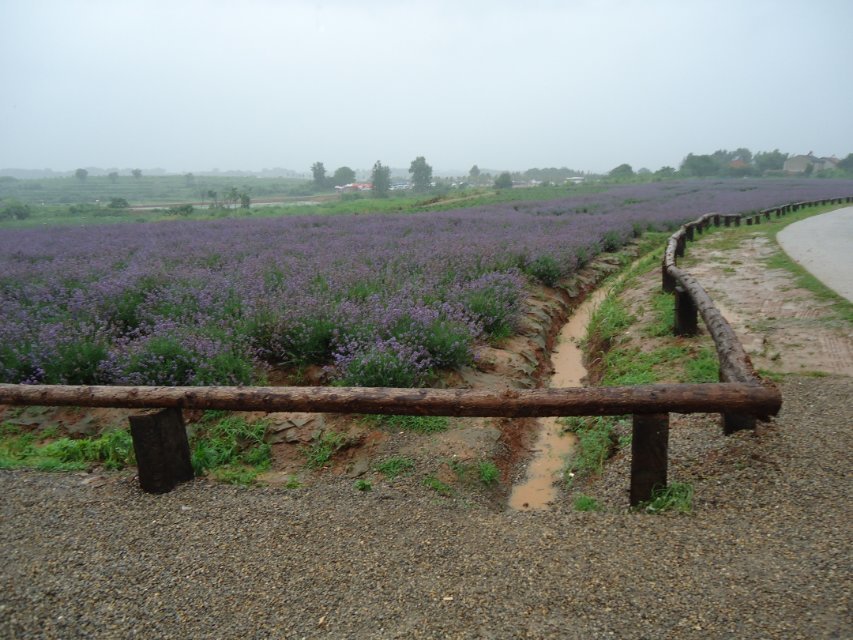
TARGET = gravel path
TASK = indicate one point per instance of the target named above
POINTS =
(765, 555)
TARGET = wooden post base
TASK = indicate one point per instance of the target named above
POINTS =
(162, 450)
(734, 422)
(649, 446)
(686, 315)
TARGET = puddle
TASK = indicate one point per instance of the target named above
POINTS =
(538, 490)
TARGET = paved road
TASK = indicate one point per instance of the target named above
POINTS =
(824, 245)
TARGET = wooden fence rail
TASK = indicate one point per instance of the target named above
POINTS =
(692, 299)
(741, 397)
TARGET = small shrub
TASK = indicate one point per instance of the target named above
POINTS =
(363, 485)
(586, 503)
(449, 344)
(488, 472)
(612, 241)
(494, 301)
(545, 269)
(387, 363)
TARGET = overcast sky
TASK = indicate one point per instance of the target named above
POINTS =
(194, 85)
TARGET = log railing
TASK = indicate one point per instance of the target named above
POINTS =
(691, 300)
(741, 397)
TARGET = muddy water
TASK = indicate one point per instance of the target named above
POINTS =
(538, 489)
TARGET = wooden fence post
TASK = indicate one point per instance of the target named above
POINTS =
(688, 232)
(734, 422)
(649, 445)
(667, 281)
(162, 450)
(680, 245)
(686, 314)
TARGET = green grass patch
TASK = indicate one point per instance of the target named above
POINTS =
(442, 489)
(663, 314)
(20, 448)
(677, 497)
(582, 502)
(701, 365)
(488, 472)
(230, 448)
(416, 424)
(596, 443)
(609, 321)
(321, 451)
(393, 467)
(841, 308)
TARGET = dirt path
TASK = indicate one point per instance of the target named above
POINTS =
(784, 328)
(823, 246)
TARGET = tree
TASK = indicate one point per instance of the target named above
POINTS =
(81, 175)
(421, 174)
(847, 164)
(118, 203)
(343, 175)
(698, 166)
(113, 176)
(504, 181)
(318, 171)
(381, 178)
(743, 154)
(137, 173)
(245, 201)
(665, 172)
(190, 179)
(622, 172)
(474, 174)
(230, 198)
(15, 209)
(770, 160)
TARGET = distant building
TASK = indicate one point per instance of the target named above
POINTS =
(355, 186)
(801, 164)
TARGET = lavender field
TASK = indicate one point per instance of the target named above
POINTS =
(380, 300)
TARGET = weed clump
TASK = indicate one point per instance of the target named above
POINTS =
(231, 448)
(677, 497)
(585, 503)
(596, 442)
(324, 448)
(393, 467)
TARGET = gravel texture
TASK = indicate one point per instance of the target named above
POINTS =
(766, 554)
